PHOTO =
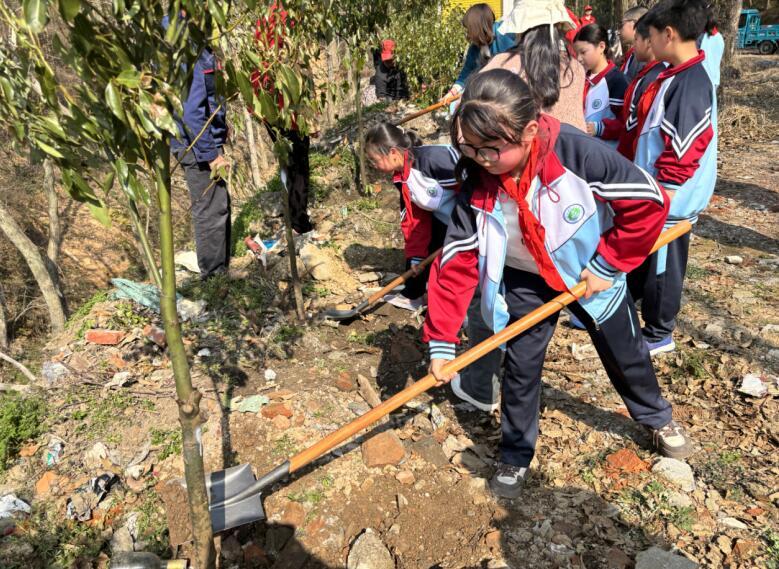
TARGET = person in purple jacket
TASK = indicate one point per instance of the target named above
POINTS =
(201, 157)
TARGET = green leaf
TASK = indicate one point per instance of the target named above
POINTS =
(101, 213)
(35, 14)
(69, 9)
(217, 13)
(108, 181)
(292, 83)
(50, 150)
(129, 78)
(114, 100)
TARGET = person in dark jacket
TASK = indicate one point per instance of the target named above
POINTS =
(199, 150)
(390, 82)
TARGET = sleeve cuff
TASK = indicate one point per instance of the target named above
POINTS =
(669, 186)
(602, 268)
(599, 129)
(441, 350)
(415, 260)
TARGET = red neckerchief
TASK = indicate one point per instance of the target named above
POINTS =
(592, 81)
(402, 179)
(644, 105)
(533, 232)
(626, 60)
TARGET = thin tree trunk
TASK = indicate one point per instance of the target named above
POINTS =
(361, 148)
(729, 12)
(297, 289)
(253, 149)
(262, 149)
(188, 398)
(144, 247)
(32, 256)
(55, 228)
(3, 324)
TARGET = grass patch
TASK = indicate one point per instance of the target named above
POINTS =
(365, 204)
(650, 505)
(313, 290)
(56, 542)
(724, 472)
(86, 308)
(696, 273)
(21, 419)
(771, 541)
(220, 292)
(152, 527)
(284, 446)
(126, 318)
(287, 333)
(169, 442)
(313, 495)
(367, 339)
(693, 365)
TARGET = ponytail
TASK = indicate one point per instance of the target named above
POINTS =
(384, 136)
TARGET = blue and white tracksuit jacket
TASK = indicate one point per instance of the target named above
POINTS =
(604, 96)
(427, 187)
(597, 209)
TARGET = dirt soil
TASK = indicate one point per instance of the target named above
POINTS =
(592, 501)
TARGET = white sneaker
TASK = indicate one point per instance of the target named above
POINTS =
(460, 392)
(400, 301)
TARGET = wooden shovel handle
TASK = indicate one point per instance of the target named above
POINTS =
(542, 312)
(401, 279)
(426, 110)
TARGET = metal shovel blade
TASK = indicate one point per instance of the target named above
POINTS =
(336, 314)
(226, 484)
(345, 313)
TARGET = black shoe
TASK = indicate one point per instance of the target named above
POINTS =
(508, 480)
(672, 441)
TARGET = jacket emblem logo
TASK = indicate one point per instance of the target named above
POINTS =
(432, 192)
(597, 104)
(573, 213)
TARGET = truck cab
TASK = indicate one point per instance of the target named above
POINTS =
(751, 34)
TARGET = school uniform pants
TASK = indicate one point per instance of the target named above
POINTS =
(481, 379)
(619, 344)
(416, 286)
(658, 284)
(299, 180)
(210, 215)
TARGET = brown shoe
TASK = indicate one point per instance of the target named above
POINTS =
(672, 441)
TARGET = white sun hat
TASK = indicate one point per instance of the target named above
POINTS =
(528, 14)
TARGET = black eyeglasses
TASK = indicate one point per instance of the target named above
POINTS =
(486, 153)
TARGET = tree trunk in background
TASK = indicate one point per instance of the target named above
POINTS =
(727, 15)
(297, 289)
(35, 261)
(187, 398)
(253, 149)
(361, 148)
(3, 325)
(55, 229)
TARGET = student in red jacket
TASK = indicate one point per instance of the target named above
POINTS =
(424, 176)
(542, 207)
(587, 18)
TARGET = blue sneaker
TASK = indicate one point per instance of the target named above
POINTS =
(661, 347)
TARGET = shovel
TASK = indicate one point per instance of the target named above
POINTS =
(235, 494)
(338, 314)
(434, 106)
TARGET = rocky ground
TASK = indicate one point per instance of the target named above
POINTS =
(411, 492)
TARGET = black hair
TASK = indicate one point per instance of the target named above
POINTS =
(642, 27)
(496, 104)
(690, 18)
(384, 136)
(594, 34)
(539, 52)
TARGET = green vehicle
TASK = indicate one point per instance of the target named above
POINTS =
(751, 35)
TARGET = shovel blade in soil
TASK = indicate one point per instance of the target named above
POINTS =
(226, 484)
